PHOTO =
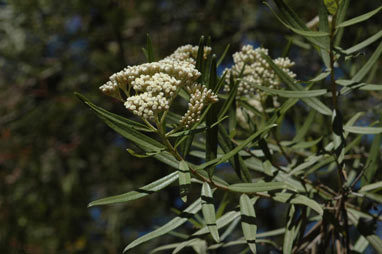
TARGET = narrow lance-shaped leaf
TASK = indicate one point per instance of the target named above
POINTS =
(104, 113)
(294, 21)
(129, 130)
(366, 231)
(208, 210)
(291, 231)
(259, 187)
(364, 43)
(236, 161)
(305, 127)
(212, 117)
(149, 49)
(139, 193)
(184, 180)
(372, 160)
(223, 55)
(312, 102)
(220, 223)
(358, 77)
(360, 18)
(363, 130)
(293, 198)
(124, 128)
(248, 221)
(230, 100)
(171, 225)
(288, 93)
(371, 187)
(308, 34)
(190, 242)
(340, 17)
(324, 27)
(238, 148)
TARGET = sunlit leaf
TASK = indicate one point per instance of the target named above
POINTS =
(171, 225)
(248, 221)
(298, 199)
(184, 180)
(208, 210)
(258, 187)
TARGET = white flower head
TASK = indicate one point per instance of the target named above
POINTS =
(156, 84)
(253, 68)
(199, 98)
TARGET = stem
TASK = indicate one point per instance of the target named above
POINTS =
(332, 60)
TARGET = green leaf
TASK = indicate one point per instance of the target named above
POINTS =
(184, 244)
(367, 232)
(363, 44)
(130, 130)
(223, 55)
(124, 128)
(238, 148)
(369, 64)
(340, 17)
(248, 221)
(184, 180)
(104, 113)
(298, 199)
(220, 223)
(208, 210)
(372, 161)
(304, 32)
(371, 187)
(374, 197)
(230, 229)
(139, 193)
(171, 225)
(212, 117)
(332, 6)
(360, 18)
(259, 187)
(214, 178)
(288, 93)
(305, 127)
(229, 101)
(145, 155)
(236, 161)
(363, 130)
(360, 245)
(200, 59)
(149, 49)
(312, 102)
(324, 27)
(291, 231)
(320, 76)
(292, 20)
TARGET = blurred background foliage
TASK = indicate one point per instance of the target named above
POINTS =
(56, 156)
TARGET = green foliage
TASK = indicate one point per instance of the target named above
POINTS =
(271, 180)
(256, 146)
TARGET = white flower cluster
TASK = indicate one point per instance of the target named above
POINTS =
(188, 53)
(255, 69)
(156, 85)
(199, 97)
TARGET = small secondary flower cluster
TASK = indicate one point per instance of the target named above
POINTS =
(253, 68)
(156, 85)
(188, 53)
(200, 97)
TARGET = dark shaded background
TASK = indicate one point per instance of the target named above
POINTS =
(56, 156)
